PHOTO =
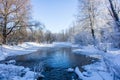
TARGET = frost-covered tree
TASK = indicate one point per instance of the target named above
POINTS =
(114, 11)
(83, 39)
(86, 18)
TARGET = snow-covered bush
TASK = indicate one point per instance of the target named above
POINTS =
(12, 72)
(83, 38)
(11, 62)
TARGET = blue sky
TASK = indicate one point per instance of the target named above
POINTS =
(55, 14)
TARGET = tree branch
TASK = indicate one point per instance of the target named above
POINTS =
(13, 28)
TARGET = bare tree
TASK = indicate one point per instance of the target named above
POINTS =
(87, 16)
(13, 16)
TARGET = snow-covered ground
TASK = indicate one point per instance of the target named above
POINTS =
(20, 49)
(88, 50)
(100, 70)
(12, 72)
(96, 71)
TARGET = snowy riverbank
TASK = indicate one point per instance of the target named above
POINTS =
(12, 72)
(26, 48)
(106, 69)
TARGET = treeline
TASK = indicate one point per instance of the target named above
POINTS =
(97, 21)
(17, 25)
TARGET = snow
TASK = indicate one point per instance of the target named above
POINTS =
(70, 70)
(93, 72)
(99, 70)
(25, 48)
(20, 49)
(89, 50)
(12, 72)
(62, 44)
(78, 72)
(11, 62)
(114, 51)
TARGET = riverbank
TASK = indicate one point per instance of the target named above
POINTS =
(12, 72)
(21, 49)
(106, 69)
(26, 48)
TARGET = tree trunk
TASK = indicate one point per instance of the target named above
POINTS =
(4, 35)
(92, 20)
(4, 39)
